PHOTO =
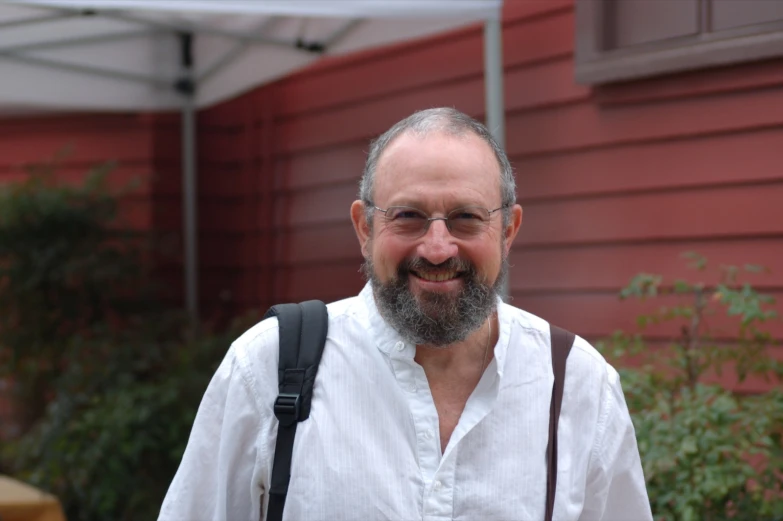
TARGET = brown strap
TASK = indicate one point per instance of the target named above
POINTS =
(562, 341)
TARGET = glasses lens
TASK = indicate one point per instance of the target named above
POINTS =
(406, 221)
(467, 222)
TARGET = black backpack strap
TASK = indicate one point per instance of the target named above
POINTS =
(303, 330)
(561, 342)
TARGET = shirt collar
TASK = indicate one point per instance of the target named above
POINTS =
(389, 341)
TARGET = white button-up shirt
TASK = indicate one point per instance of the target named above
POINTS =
(371, 450)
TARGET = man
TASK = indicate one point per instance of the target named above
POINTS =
(432, 397)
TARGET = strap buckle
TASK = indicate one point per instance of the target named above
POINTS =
(287, 408)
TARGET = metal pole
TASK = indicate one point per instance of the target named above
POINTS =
(186, 87)
(38, 19)
(493, 96)
(493, 80)
(191, 28)
(83, 69)
(79, 40)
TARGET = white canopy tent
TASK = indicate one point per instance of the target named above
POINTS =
(128, 55)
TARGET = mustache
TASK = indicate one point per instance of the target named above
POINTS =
(422, 265)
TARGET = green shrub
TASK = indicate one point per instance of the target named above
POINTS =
(110, 442)
(708, 454)
(110, 379)
(65, 265)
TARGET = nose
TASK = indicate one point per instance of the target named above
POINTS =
(437, 245)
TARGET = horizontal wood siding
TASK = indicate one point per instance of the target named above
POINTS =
(614, 180)
(238, 219)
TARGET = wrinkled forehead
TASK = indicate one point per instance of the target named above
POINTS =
(437, 162)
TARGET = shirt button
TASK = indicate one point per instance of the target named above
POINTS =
(437, 485)
(399, 346)
(412, 389)
(427, 434)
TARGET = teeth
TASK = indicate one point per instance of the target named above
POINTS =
(438, 277)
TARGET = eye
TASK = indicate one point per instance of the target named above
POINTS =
(405, 214)
(467, 215)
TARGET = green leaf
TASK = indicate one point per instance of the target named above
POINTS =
(756, 268)
(689, 446)
(698, 261)
(681, 287)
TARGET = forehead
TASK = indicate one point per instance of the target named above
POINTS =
(438, 170)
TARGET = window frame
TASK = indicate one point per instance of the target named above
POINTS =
(595, 65)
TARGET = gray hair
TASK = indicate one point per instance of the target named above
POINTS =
(451, 122)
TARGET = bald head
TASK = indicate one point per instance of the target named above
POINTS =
(447, 121)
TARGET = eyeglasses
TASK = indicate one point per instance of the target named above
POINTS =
(412, 223)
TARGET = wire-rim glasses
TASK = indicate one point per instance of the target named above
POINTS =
(464, 223)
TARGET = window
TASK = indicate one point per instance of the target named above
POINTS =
(629, 39)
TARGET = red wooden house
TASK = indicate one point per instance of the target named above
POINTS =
(639, 130)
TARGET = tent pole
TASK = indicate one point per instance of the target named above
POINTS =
(189, 195)
(186, 87)
(493, 80)
(493, 97)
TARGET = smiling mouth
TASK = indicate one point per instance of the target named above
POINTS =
(438, 277)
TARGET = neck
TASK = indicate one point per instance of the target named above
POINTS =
(461, 359)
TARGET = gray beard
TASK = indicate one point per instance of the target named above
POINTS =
(435, 319)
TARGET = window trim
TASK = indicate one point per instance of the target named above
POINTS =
(593, 65)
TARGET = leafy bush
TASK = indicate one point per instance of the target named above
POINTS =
(110, 442)
(111, 379)
(65, 264)
(708, 454)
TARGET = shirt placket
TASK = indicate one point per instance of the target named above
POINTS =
(438, 471)
(413, 382)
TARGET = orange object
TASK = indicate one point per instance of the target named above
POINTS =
(22, 502)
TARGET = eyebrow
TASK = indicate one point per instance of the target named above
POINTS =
(412, 203)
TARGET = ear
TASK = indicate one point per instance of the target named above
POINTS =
(360, 226)
(512, 229)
